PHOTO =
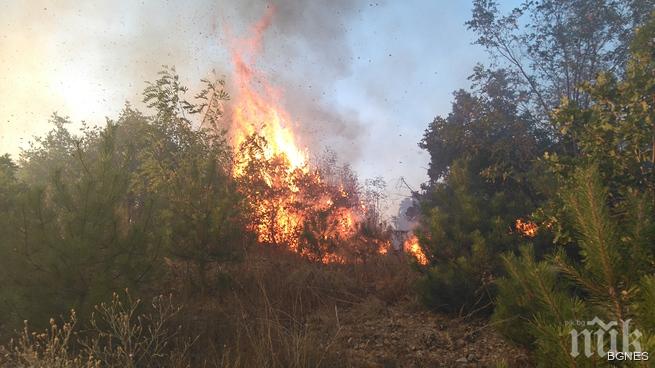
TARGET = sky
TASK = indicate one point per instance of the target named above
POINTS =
(364, 78)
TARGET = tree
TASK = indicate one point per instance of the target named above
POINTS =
(50, 153)
(616, 131)
(604, 219)
(317, 210)
(103, 210)
(488, 124)
(488, 177)
(613, 279)
(552, 47)
(75, 238)
(481, 181)
(189, 171)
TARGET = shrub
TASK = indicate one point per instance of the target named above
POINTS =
(120, 334)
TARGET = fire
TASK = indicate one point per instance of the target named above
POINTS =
(412, 246)
(526, 228)
(293, 204)
(256, 109)
(384, 247)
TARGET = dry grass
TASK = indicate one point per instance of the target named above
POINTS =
(280, 310)
(51, 348)
(122, 333)
(273, 309)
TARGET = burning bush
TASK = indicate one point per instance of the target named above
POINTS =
(314, 211)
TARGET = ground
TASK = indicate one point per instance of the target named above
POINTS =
(279, 310)
(375, 335)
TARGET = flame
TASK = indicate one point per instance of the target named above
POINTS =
(294, 206)
(256, 109)
(526, 228)
(412, 246)
(384, 247)
(256, 112)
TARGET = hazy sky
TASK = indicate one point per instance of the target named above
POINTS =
(362, 77)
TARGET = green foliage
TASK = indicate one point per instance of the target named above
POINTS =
(481, 173)
(108, 208)
(75, 237)
(551, 47)
(10, 189)
(538, 300)
(49, 153)
(616, 131)
(189, 172)
(486, 124)
(602, 214)
(584, 170)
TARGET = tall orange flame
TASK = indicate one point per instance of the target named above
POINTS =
(295, 202)
(256, 107)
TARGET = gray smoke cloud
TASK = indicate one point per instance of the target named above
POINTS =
(305, 51)
(85, 58)
(362, 78)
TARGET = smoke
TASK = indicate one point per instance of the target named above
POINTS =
(305, 51)
(84, 59)
(313, 30)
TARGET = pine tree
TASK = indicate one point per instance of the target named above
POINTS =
(609, 277)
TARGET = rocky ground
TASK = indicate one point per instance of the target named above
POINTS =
(375, 335)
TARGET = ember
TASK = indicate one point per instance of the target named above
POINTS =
(526, 228)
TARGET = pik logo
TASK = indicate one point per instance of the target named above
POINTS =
(594, 340)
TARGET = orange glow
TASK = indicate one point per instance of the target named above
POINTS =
(412, 247)
(256, 109)
(292, 204)
(384, 247)
(526, 228)
(333, 258)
